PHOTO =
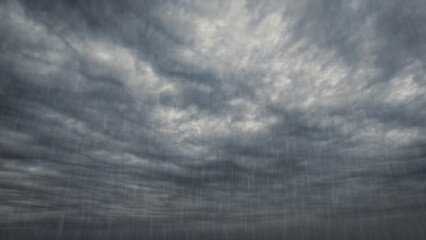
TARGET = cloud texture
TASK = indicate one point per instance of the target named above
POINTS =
(213, 119)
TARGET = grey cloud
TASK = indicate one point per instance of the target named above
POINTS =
(391, 30)
(165, 119)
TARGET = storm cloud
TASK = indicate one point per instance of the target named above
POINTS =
(213, 119)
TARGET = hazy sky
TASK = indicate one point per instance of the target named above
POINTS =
(213, 119)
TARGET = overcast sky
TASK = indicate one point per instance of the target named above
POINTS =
(221, 119)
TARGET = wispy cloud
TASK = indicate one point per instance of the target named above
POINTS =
(218, 116)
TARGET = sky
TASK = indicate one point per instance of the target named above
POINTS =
(213, 119)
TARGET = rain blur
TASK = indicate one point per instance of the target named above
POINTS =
(240, 119)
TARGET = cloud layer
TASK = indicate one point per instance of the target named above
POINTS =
(194, 119)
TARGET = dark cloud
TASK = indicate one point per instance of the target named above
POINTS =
(212, 120)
